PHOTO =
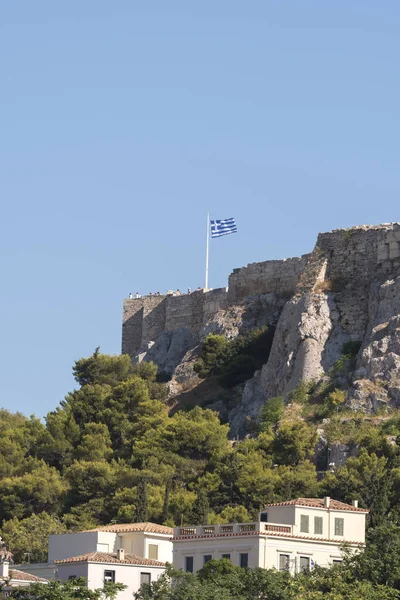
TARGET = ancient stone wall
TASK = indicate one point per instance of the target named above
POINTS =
(360, 253)
(343, 261)
(144, 319)
(214, 301)
(271, 276)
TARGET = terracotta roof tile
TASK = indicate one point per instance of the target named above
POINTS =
(23, 576)
(111, 557)
(319, 503)
(126, 527)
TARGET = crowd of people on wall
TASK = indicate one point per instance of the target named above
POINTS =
(169, 293)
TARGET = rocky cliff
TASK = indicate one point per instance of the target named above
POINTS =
(346, 290)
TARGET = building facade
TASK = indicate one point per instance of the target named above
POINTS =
(129, 553)
(290, 536)
(101, 567)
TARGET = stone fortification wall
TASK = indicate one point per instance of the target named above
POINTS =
(145, 319)
(344, 261)
(268, 277)
(361, 253)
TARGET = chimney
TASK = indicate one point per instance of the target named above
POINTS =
(4, 572)
(327, 501)
(355, 503)
(121, 554)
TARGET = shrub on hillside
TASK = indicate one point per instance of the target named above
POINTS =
(234, 360)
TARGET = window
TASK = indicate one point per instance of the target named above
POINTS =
(264, 517)
(153, 551)
(318, 525)
(304, 523)
(284, 562)
(189, 564)
(339, 526)
(206, 558)
(227, 556)
(244, 560)
(337, 561)
(145, 578)
(304, 563)
(109, 576)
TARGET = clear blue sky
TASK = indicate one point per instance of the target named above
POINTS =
(123, 122)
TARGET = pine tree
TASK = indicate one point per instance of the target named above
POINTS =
(200, 508)
(168, 487)
(142, 504)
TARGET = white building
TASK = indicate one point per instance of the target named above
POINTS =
(130, 553)
(118, 567)
(291, 536)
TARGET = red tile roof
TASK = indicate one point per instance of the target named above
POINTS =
(126, 527)
(22, 576)
(319, 503)
(111, 557)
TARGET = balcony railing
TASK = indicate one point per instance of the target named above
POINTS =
(187, 531)
(233, 528)
(247, 527)
(277, 528)
(208, 529)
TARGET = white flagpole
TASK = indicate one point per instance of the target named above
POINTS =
(207, 250)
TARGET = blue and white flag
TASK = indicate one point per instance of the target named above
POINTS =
(222, 227)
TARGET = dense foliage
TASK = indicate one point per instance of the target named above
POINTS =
(111, 451)
(223, 581)
(75, 589)
(234, 360)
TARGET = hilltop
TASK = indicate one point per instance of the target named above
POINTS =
(341, 299)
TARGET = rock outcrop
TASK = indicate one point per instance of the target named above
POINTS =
(346, 290)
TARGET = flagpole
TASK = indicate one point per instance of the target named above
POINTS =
(207, 250)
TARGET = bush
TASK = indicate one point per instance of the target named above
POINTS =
(234, 360)
(271, 412)
(238, 370)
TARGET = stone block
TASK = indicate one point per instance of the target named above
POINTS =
(383, 252)
(393, 236)
(394, 250)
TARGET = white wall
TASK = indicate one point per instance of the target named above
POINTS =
(127, 574)
(281, 514)
(263, 551)
(66, 545)
(354, 522)
(138, 543)
(216, 547)
(45, 570)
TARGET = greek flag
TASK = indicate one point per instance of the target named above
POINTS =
(222, 227)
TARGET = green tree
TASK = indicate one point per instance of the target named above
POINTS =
(30, 535)
(201, 508)
(142, 504)
(42, 489)
(95, 444)
(75, 589)
(294, 442)
(271, 412)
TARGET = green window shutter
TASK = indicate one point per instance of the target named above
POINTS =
(318, 525)
(304, 523)
(339, 527)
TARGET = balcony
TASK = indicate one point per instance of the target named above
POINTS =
(233, 529)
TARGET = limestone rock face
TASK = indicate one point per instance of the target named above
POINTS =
(347, 289)
(249, 408)
(299, 344)
(169, 349)
(377, 379)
